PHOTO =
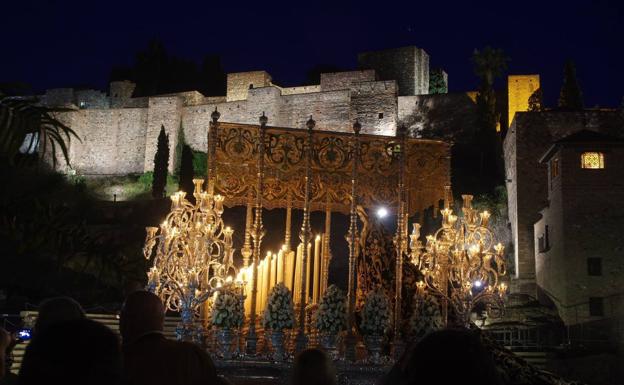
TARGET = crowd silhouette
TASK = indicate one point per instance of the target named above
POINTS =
(69, 348)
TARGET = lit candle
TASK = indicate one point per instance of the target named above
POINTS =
(261, 292)
(272, 269)
(298, 274)
(307, 272)
(280, 266)
(289, 269)
(317, 262)
(485, 218)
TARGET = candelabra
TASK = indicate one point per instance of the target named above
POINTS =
(192, 256)
(460, 262)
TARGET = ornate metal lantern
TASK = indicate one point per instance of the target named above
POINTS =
(192, 256)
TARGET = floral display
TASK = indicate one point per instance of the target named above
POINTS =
(332, 312)
(279, 313)
(426, 318)
(228, 310)
(376, 315)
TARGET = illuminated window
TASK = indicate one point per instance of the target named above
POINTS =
(592, 160)
(554, 168)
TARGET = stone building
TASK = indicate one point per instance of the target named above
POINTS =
(519, 89)
(579, 251)
(528, 138)
(118, 132)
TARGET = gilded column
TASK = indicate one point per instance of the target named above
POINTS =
(213, 137)
(352, 239)
(305, 234)
(326, 251)
(288, 222)
(246, 250)
(400, 241)
(257, 235)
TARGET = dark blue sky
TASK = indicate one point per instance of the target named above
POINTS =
(66, 43)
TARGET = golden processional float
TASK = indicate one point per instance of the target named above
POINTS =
(312, 170)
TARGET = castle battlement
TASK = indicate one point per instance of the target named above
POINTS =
(121, 123)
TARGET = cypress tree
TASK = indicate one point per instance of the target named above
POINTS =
(570, 97)
(186, 171)
(181, 142)
(161, 164)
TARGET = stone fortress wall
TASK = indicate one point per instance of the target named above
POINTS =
(118, 132)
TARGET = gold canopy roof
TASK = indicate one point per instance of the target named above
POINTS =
(427, 168)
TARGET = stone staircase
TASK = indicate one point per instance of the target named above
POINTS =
(110, 320)
(539, 359)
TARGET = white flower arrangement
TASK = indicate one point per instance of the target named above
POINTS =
(228, 310)
(426, 319)
(376, 315)
(332, 311)
(279, 313)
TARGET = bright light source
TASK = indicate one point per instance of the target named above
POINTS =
(382, 212)
(477, 284)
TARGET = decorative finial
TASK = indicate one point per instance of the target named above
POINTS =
(357, 127)
(215, 115)
(263, 119)
(310, 123)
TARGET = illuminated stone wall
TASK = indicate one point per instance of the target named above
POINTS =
(519, 90)
(528, 138)
(239, 83)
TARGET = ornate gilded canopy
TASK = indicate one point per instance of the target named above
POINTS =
(427, 168)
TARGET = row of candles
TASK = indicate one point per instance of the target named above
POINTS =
(286, 267)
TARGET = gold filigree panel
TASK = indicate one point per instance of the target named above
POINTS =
(427, 168)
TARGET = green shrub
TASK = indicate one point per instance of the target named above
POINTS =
(200, 163)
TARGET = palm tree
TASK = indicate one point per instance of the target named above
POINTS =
(489, 64)
(26, 125)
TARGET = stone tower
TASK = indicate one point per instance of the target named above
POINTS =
(409, 66)
(519, 90)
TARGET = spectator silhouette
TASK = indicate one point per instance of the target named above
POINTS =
(445, 357)
(152, 359)
(72, 352)
(57, 309)
(313, 367)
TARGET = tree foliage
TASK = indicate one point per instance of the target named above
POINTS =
(157, 72)
(26, 127)
(177, 155)
(536, 101)
(489, 64)
(437, 84)
(186, 173)
(161, 164)
(570, 96)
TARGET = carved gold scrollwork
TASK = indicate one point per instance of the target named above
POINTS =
(427, 168)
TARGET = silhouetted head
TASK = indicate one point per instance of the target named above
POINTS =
(72, 352)
(446, 357)
(142, 312)
(194, 365)
(313, 367)
(58, 309)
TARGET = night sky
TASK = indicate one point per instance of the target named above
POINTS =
(75, 43)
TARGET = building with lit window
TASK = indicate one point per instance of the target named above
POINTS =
(579, 238)
(529, 136)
